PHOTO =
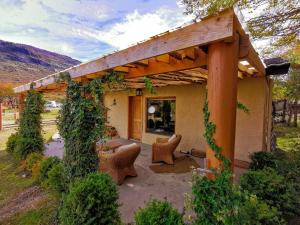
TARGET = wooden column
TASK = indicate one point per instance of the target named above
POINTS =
(1, 117)
(21, 99)
(222, 97)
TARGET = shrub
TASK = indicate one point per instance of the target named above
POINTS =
(91, 200)
(159, 213)
(11, 143)
(273, 189)
(31, 160)
(216, 201)
(257, 212)
(260, 160)
(29, 133)
(56, 178)
(46, 166)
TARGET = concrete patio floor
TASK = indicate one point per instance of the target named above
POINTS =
(135, 191)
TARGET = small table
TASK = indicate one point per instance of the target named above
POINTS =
(112, 145)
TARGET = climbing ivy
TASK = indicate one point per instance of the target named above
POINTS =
(149, 85)
(82, 123)
(29, 135)
(242, 107)
(210, 129)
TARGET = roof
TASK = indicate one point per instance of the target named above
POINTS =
(183, 49)
(277, 66)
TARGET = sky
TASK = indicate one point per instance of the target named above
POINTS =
(87, 29)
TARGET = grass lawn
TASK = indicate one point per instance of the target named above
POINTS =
(48, 131)
(50, 115)
(287, 137)
(12, 184)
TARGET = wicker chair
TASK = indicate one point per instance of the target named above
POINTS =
(163, 149)
(120, 163)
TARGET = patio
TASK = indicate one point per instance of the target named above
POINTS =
(135, 191)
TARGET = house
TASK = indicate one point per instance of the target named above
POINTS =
(214, 54)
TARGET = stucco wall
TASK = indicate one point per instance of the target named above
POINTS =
(189, 116)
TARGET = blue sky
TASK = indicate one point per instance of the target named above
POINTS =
(86, 29)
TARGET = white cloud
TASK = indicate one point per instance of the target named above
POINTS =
(84, 29)
(137, 27)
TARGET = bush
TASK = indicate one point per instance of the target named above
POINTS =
(257, 212)
(91, 200)
(25, 146)
(32, 160)
(273, 189)
(55, 179)
(46, 166)
(11, 143)
(159, 213)
(216, 201)
(260, 160)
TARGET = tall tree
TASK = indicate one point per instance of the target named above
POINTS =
(273, 19)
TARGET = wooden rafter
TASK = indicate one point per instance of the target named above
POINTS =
(207, 31)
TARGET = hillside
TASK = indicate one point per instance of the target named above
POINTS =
(21, 63)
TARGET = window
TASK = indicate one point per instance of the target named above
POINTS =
(161, 115)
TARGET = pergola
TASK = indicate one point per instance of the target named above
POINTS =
(215, 50)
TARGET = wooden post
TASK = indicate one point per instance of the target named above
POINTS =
(222, 97)
(21, 98)
(1, 117)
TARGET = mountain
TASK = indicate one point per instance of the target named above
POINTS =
(21, 63)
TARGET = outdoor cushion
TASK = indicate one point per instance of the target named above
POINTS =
(172, 138)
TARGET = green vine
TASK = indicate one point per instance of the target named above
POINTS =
(29, 135)
(149, 85)
(210, 129)
(82, 122)
(242, 107)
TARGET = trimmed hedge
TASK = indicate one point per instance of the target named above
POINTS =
(11, 143)
(158, 213)
(91, 200)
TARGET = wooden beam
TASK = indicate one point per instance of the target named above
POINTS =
(21, 103)
(1, 116)
(209, 30)
(155, 67)
(189, 53)
(254, 60)
(244, 46)
(163, 58)
(222, 98)
(121, 69)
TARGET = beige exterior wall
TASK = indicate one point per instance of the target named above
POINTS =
(189, 116)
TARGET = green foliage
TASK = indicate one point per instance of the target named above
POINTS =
(216, 201)
(91, 200)
(149, 85)
(210, 129)
(158, 213)
(219, 202)
(277, 19)
(11, 143)
(242, 107)
(257, 212)
(260, 160)
(46, 166)
(56, 178)
(273, 189)
(81, 124)
(30, 131)
(32, 159)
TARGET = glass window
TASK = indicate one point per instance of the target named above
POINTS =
(161, 116)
